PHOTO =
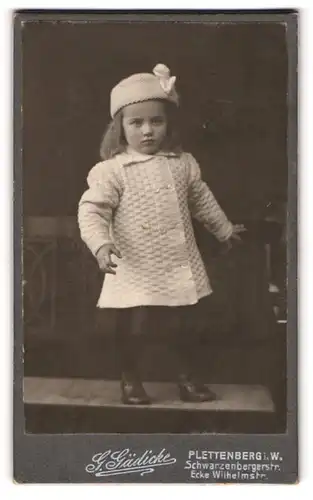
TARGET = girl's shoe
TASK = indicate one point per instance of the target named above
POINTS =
(133, 392)
(193, 392)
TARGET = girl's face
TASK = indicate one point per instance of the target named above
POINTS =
(145, 126)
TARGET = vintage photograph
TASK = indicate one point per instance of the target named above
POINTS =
(154, 164)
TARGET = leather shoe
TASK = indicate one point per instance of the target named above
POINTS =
(133, 392)
(194, 392)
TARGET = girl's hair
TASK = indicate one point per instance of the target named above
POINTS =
(114, 141)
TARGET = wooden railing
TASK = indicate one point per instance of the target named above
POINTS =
(61, 280)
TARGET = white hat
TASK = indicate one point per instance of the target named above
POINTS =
(144, 87)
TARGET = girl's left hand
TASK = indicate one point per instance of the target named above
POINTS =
(237, 229)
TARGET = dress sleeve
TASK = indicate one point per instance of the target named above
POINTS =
(96, 206)
(203, 205)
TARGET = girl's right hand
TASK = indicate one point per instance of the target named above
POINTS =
(103, 257)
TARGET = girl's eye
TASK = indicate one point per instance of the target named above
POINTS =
(158, 120)
(137, 123)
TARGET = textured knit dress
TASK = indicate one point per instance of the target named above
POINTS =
(144, 204)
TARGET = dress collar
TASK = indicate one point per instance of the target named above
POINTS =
(131, 156)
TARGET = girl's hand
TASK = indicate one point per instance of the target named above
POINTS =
(103, 257)
(237, 229)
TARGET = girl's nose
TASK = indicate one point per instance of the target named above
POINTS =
(146, 129)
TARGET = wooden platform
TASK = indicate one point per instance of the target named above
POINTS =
(103, 393)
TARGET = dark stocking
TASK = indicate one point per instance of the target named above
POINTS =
(129, 343)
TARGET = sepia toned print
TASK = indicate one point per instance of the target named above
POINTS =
(155, 176)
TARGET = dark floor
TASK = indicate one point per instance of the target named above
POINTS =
(80, 405)
(45, 419)
(248, 363)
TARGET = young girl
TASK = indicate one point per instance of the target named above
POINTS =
(138, 207)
